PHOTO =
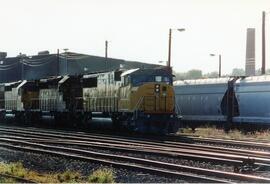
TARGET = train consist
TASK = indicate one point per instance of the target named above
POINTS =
(231, 102)
(140, 99)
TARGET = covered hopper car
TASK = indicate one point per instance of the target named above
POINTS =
(230, 102)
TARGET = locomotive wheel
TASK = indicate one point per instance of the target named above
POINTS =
(116, 122)
(85, 119)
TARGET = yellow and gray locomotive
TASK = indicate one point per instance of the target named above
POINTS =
(140, 99)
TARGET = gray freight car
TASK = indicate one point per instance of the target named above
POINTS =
(200, 100)
(231, 101)
(253, 97)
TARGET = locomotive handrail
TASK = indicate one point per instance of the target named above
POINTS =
(178, 110)
(137, 106)
(138, 103)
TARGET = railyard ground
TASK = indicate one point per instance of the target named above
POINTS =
(102, 175)
(42, 168)
(213, 132)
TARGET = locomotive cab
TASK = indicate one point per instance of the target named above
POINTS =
(147, 98)
(147, 90)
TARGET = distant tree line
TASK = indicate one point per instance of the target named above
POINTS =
(197, 74)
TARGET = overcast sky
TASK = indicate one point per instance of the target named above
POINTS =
(137, 29)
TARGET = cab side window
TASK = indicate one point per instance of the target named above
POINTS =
(126, 80)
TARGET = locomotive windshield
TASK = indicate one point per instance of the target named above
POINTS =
(138, 80)
(137, 77)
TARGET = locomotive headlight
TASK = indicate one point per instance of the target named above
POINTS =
(157, 88)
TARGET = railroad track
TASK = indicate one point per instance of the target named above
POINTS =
(39, 140)
(147, 165)
(165, 145)
(245, 156)
(246, 139)
(147, 148)
(160, 168)
(175, 139)
(252, 144)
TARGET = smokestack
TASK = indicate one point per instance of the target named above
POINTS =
(250, 52)
(263, 43)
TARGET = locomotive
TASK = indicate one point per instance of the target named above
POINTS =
(230, 102)
(139, 99)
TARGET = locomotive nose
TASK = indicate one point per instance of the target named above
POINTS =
(157, 97)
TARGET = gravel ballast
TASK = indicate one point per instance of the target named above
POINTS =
(43, 163)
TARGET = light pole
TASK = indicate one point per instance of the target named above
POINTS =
(66, 60)
(263, 40)
(170, 45)
(106, 49)
(219, 64)
(106, 55)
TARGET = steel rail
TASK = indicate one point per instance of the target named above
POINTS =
(149, 163)
(257, 145)
(117, 164)
(251, 161)
(248, 143)
(171, 146)
(229, 139)
(169, 138)
(236, 162)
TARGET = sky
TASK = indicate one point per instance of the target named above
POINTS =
(138, 30)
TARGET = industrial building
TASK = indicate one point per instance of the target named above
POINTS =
(45, 64)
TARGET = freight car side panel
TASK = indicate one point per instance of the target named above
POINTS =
(253, 99)
(200, 102)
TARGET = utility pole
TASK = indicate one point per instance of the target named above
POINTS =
(169, 54)
(106, 49)
(219, 63)
(66, 60)
(263, 42)
(22, 69)
(219, 68)
(106, 54)
(170, 45)
(58, 63)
